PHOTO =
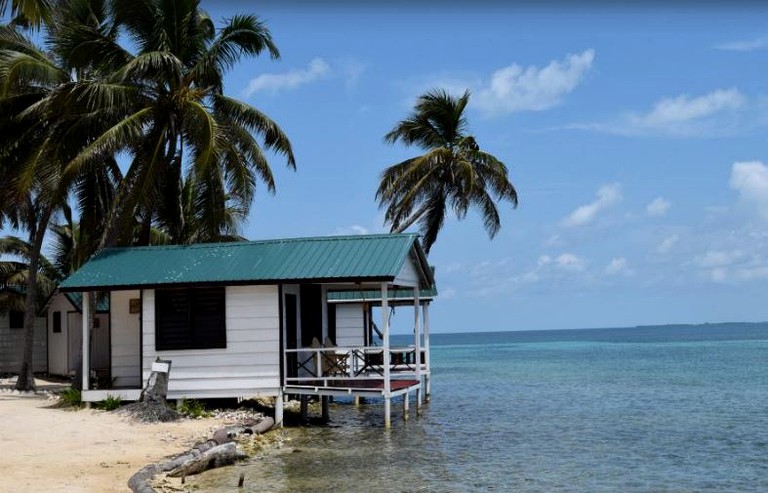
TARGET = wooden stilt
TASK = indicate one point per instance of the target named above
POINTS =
(357, 401)
(406, 398)
(325, 409)
(303, 408)
(387, 357)
(427, 361)
(418, 402)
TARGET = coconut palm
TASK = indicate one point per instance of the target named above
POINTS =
(14, 270)
(70, 111)
(32, 13)
(31, 152)
(453, 173)
(168, 112)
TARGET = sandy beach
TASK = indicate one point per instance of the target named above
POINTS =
(50, 449)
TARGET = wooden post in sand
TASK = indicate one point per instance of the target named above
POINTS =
(86, 346)
(279, 409)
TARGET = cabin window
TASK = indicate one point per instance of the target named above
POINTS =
(56, 322)
(16, 319)
(190, 318)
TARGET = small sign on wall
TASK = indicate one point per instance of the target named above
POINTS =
(134, 305)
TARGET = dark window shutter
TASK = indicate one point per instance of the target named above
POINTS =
(57, 322)
(16, 319)
(190, 318)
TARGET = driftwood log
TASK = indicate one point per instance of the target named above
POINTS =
(218, 456)
(216, 452)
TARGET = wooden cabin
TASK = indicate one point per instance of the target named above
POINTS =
(250, 319)
(12, 343)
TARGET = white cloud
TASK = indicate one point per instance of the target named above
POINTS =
(750, 180)
(715, 113)
(516, 88)
(554, 241)
(683, 108)
(667, 244)
(658, 207)
(355, 229)
(352, 70)
(607, 196)
(745, 45)
(571, 262)
(274, 83)
(718, 258)
(618, 266)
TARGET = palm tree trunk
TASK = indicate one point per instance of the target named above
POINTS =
(26, 379)
(411, 219)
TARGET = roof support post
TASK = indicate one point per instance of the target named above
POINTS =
(427, 364)
(417, 344)
(86, 340)
(386, 356)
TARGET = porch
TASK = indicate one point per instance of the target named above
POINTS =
(355, 371)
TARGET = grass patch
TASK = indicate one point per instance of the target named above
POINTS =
(193, 408)
(110, 403)
(71, 398)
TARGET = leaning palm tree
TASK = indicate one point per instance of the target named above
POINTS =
(169, 113)
(453, 173)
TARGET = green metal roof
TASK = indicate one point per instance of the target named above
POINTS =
(76, 298)
(375, 296)
(318, 259)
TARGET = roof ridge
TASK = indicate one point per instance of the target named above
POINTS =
(262, 242)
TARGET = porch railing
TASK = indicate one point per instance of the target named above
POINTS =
(329, 365)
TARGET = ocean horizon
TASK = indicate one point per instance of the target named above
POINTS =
(672, 408)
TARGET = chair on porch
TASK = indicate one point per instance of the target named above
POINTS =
(334, 363)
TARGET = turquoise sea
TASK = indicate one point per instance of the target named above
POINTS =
(646, 409)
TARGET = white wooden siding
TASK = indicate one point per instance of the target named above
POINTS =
(349, 324)
(408, 275)
(125, 340)
(249, 365)
(58, 343)
(12, 346)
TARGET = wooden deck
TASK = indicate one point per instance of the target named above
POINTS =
(354, 387)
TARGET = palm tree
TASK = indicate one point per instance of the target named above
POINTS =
(167, 110)
(14, 270)
(72, 110)
(453, 173)
(32, 13)
(43, 129)
(31, 150)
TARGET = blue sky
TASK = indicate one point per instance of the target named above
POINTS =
(635, 138)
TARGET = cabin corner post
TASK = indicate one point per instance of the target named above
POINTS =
(386, 356)
(417, 344)
(427, 363)
(86, 340)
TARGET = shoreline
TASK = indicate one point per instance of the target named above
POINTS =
(50, 448)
